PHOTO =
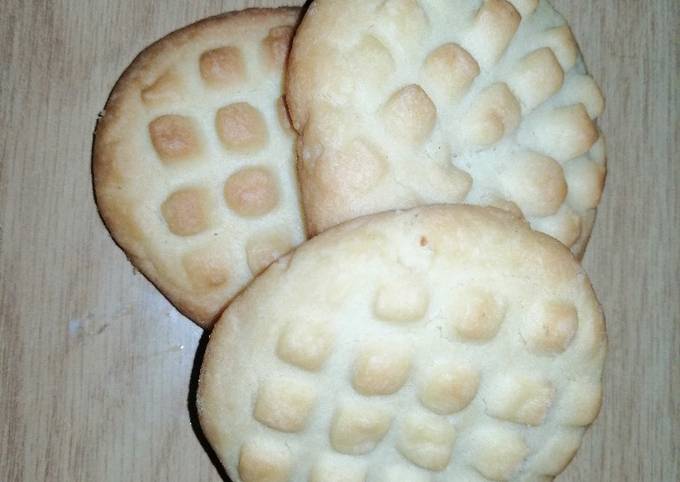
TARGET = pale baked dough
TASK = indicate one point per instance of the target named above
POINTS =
(402, 103)
(447, 343)
(194, 160)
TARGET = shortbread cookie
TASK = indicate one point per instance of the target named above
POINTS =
(194, 167)
(439, 344)
(412, 102)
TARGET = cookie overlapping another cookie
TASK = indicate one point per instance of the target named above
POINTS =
(438, 344)
(401, 103)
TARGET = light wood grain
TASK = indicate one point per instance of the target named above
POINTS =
(97, 367)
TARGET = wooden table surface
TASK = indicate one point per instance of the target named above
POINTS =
(98, 370)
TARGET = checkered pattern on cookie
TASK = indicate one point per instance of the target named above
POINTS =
(401, 103)
(194, 159)
(437, 344)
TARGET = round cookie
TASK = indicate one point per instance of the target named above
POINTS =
(193, 166)
(437, 344)
(401, 103)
